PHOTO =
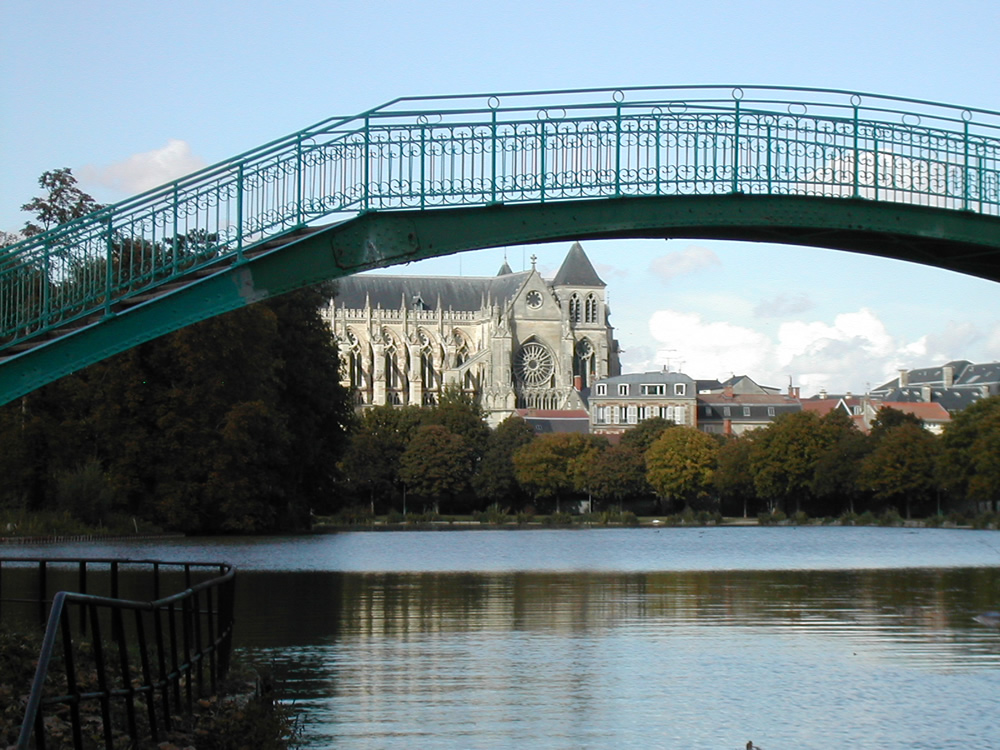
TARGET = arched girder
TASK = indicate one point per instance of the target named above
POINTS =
(958, 241)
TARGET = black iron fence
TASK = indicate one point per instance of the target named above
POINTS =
(128, 644)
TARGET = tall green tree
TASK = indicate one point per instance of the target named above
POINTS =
(835, 485)
(436, 465)
(370, 466)
(680, 465)
(732, 479)
(494, 480)
(783, 459)
(969, 467)
(902, 468)
(63, 201)
(644, 434)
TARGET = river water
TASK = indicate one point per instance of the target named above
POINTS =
(793, 638)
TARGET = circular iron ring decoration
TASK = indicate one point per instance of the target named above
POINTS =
(533, 364)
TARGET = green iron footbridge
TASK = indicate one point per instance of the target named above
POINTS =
(422, 177)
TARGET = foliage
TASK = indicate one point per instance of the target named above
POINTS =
(887, 419)
(784, 458)
(902, 466)
(968, 466)
(644, 434)
(547, 467)
(836, 473)
(63, 202)
(613, 475)
(494, 479)
(732, 478)
(436, 463)
(680, 465)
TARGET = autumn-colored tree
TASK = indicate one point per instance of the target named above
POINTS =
(494, 480)
(680, 465)
(901, 469)
(615, 474)
(436, 464)
(783, 459)
(545, 467)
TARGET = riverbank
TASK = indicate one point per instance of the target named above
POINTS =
(434, 522)
(245, 712)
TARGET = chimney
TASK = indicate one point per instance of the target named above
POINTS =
(727, 391)
(578, 382)
(904, 378)
(949, 376)
(925, 393)
(793, 392)
(822, 394)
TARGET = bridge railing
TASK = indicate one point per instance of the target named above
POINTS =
(110, 665)
(424, 153)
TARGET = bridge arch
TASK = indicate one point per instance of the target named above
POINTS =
(415, 179)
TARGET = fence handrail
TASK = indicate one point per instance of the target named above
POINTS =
(419, 153)
(58, 622)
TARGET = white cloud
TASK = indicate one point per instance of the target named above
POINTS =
(852, 353)
(690, 259)
(147, 170)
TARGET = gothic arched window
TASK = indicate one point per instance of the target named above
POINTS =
(590, 311)
(574, 308)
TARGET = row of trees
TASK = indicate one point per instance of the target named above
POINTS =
(822, 466)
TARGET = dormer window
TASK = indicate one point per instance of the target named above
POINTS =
(602, 389)
(680, 389)
(623, 389)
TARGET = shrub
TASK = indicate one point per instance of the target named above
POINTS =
(773, 518)
(801, 518)
(850, 518)
(628, 518)
(495, 515)
(866, 519)
(561, 518)
(394, 517)
(935, 521)
(890, 517)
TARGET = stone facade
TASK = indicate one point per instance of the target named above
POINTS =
(514, 340)
(619, 403)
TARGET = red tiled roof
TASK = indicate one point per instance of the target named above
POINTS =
(929, 411)
(553, 413)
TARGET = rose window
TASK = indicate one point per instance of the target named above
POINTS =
(533, 364)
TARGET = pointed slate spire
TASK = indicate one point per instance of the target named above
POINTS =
(577, 270)
(504, 269)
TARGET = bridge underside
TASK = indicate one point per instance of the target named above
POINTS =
(958, 241)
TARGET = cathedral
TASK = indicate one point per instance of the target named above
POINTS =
(512, 341)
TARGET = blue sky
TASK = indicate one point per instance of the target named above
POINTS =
(131, 94)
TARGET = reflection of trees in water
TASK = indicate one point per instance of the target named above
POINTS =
(311, 607)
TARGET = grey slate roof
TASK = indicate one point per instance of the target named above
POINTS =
(952, 399)
(576, 270)
(424, 292)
